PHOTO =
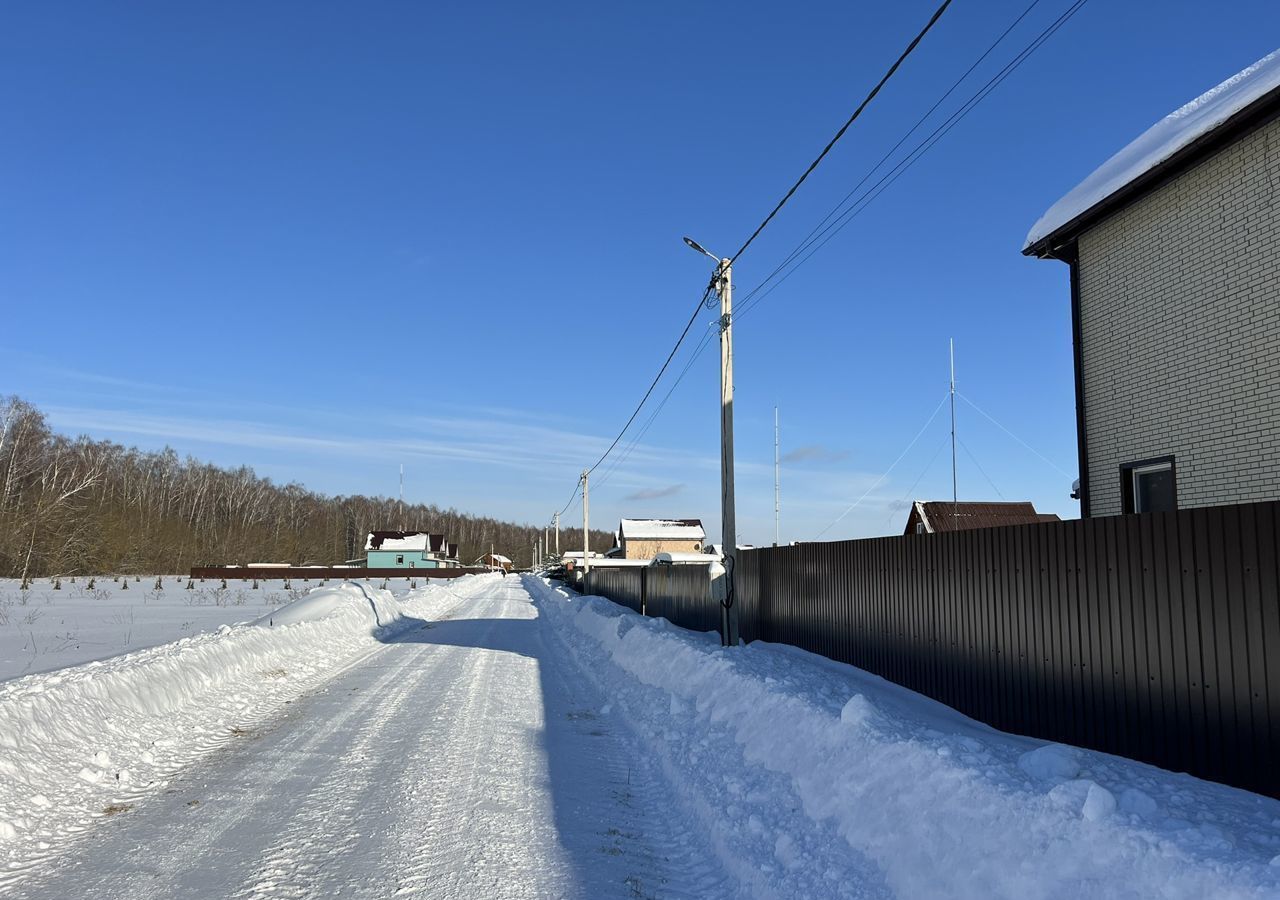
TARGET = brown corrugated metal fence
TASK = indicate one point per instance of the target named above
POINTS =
(1155, 636)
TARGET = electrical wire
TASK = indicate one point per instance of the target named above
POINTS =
(902, 140)
(753, 297)
(845, 127)
(622, 458)
(572, 497)
(823, 235)
(654, 383)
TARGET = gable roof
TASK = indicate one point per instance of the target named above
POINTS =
(661, 530)
(1176, 142)
(396, 540)
(943, 515)
(437, 542)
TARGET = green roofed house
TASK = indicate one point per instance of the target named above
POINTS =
(405, 550)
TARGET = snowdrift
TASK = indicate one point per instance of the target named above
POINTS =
(81, 742)
(940, 805)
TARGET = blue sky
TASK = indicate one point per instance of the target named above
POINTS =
(323, 240)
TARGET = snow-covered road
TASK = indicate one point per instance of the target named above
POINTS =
(498, 737)
(467, 758)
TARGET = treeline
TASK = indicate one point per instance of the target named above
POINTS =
(80, 506)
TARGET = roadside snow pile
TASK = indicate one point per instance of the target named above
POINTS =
(783, 753)
(89, 740)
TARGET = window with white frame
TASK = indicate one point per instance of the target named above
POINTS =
(1149, 486)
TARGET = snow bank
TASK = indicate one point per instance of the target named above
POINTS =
(85, 741)
(1161, 141)
(937, 804)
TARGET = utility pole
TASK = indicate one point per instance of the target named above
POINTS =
(586, 528)
(722, 585)
(402, 523)
(728, 512)
(955, 494)
(533, 556)
(777, 496)
(556, 516)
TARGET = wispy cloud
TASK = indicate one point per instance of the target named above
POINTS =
(655, 493)
(483, 441)
(814, 453)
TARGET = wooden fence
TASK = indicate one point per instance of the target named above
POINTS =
(1152, 636)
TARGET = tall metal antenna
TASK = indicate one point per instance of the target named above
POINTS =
(955, 497)
(777, 495)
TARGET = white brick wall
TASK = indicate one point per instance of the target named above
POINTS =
(1180, 320)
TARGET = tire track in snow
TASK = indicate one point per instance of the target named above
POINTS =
(473, 761)
(329, 822)
(613, 836)
(169, 854)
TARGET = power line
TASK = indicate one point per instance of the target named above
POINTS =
(654, 383)
(937, 14)
(845, 127)
(572, 497)
(813, 244)
(622, 458)
(902, 140)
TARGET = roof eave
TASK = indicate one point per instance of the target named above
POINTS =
(1060, 243)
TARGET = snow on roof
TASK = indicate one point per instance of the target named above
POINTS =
(661, 529)
(1160, 142)
(499, 558)
(397, 540)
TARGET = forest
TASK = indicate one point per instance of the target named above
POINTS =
(81, 506)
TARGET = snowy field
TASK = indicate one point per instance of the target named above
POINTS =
(500, 737)
(44, 628)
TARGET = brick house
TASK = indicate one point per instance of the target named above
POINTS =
(1175, 297)
(646, 538)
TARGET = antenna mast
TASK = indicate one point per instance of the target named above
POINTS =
(777, 496)
(955, 497)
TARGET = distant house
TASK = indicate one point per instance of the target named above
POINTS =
(934, 516)
(646, 538)
(496, 561)
(404, 550)
(1175, 296)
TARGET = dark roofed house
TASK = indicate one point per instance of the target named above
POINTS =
(933, 516)
(1175, 301)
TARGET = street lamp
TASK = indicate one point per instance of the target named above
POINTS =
(723, 281)
(701, 249)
